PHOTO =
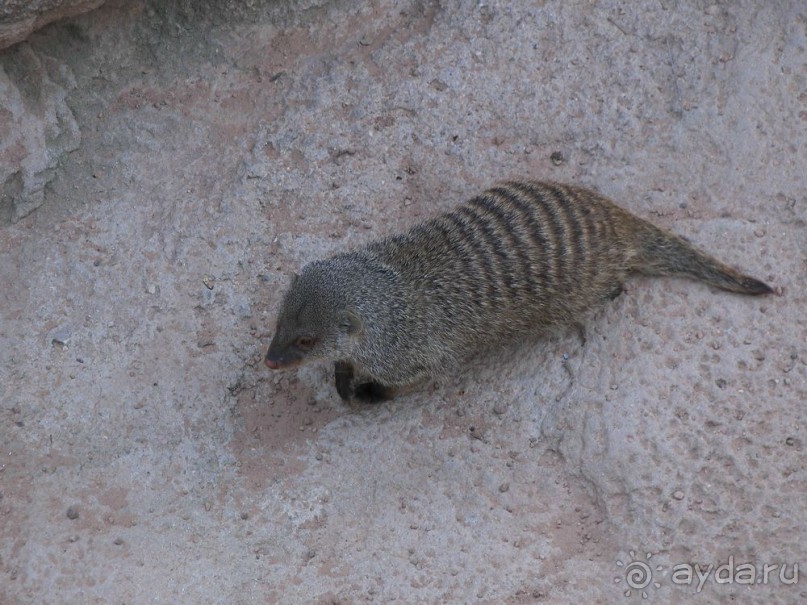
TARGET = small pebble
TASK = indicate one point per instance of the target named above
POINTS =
(243, 310)
(208, 297)
(504, 487)
(118, 541)
(499, 409)
(244, 516)
(557, 158)
(790, 441)
(678, 494)
(61, 336)
(477, 433)
(72, 512)
(73, 538)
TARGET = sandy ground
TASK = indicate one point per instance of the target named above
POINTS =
(149, 457)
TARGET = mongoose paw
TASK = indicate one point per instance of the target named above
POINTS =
(343, 379)
(614, 294)
(372, 392)
(367, 392)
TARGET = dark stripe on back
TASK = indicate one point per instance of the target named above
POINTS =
(472, 244)
(508, 230)
(481, 220)
(542, 247)
(551, 222)
(519, 224)
(574, 230)
(590, 213)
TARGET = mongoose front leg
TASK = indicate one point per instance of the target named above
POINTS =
(344, 376)
(373, 392)
(343, 379)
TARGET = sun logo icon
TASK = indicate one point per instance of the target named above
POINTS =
(638, 575)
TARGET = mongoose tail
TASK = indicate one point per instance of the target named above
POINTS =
(663, 253)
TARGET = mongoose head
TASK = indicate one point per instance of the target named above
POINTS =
(315, 321)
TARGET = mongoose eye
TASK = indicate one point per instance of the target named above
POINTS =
(305, 343)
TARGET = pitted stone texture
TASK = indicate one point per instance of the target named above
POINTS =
(224, 144)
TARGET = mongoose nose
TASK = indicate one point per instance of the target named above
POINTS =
(271, 364)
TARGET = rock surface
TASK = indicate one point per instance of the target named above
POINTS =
(148, 456)
(37, 127)
(18, 18)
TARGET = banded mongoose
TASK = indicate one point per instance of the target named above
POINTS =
(518, 258)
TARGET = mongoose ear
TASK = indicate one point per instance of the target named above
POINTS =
(351, 323)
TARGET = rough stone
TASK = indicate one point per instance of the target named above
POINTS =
(37, 127)
(18, 18)
(222, 141)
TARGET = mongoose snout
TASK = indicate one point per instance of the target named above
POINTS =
(273, 364)
(513, 261)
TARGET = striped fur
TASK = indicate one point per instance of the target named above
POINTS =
(516, 259)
